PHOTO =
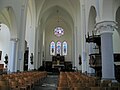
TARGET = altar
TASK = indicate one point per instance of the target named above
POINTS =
(58, 62)
(59, 67)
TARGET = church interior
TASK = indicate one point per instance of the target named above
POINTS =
(59, 44)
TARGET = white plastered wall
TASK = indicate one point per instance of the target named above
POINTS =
(16, 20)
(30, 31)
(4, 43)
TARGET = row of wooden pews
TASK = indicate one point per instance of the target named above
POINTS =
(21, 80)
(2, 69)
(78, 81)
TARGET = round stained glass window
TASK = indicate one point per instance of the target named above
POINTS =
(59, 31)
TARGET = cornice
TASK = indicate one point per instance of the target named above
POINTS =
(105, 26)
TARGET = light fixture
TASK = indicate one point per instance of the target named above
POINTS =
(0, 25)
(58, 31)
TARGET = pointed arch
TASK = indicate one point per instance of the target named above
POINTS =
(9, 18)
(117, 18)
(92, 19)
(64, 48)
(58, 48)
(52, 48)
(116, 33)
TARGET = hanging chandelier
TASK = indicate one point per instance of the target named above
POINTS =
(58, 31)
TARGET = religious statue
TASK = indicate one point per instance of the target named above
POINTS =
(31, 58)
(6, 60)
(80, 61)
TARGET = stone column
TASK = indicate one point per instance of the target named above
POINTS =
(83, 25)
(76, 53)
(36, 48)
(105, 29)
(21, 35)
(13, 61)
(75, 46)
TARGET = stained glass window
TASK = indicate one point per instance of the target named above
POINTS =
(64, 48)
(52, 48)
(59, 31)
(58, 47)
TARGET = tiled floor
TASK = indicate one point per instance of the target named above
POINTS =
(49, 83)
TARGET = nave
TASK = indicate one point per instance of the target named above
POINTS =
(48, 83)
(42, 80)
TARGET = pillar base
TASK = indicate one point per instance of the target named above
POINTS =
(114, 81)
(111, 79)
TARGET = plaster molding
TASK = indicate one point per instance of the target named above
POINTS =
(14, 39)
(105, 27)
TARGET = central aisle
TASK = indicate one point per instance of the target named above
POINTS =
(49, 83)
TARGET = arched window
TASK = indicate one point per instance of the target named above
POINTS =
(58, 47)
(52, 48)
(64, 48)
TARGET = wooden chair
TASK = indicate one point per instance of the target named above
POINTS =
(14, 85)
(97, 88)
(4, 85)
(22, 84)
(64, 88)
(111, 88)
(105, 83)
(81, 88)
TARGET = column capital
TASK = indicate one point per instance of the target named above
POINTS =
(14, 39)
(105, 27)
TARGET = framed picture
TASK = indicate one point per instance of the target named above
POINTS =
(0, 54)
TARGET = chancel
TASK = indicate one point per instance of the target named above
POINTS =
(60, 44)
(58, 62)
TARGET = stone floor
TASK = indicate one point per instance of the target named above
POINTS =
(49, 83)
